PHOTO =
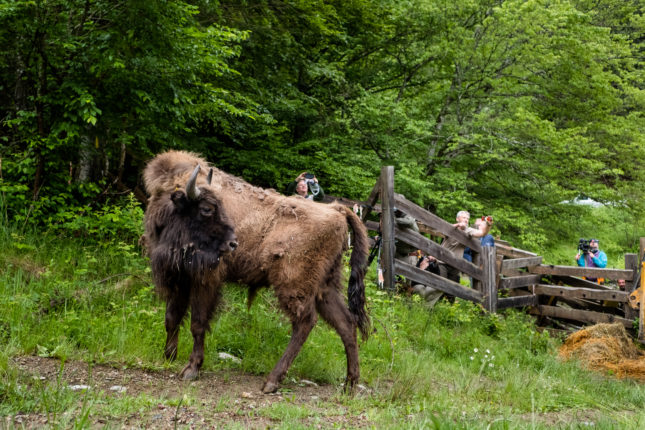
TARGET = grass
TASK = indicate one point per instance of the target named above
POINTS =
(451, 367)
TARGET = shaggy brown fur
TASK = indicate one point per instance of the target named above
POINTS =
(186, 231)
(293, 245)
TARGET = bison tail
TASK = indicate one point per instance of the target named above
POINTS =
(358, 264)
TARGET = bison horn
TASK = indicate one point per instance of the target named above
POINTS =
(191, 190)
(209, 178)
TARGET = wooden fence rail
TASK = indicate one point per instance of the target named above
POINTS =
(549, 291)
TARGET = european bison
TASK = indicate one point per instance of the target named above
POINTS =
(293, 245)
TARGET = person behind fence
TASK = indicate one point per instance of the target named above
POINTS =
(487, 240)
(403, 251)
(621, 284)
(590, 255)
(414, 257)
(307, 186)
(429, 264)
(457, 248)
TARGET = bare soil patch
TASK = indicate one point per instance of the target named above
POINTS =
(217, 399)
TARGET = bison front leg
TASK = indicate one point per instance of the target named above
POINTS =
(299, 333)
(202, 308)
(176, 306)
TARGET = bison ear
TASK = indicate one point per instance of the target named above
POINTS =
(180, 200)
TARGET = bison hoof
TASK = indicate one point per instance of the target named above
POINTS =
(350, 386)
(270, 387)
(189, 373)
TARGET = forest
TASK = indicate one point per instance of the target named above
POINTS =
(518, 109)
(503, 107)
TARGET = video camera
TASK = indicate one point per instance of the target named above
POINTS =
(583, 246)
(313, 186)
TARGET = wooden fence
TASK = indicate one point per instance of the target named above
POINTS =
(503, 276)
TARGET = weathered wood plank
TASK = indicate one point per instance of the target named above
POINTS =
(371, 200)
(631, 263)
(436, 223)
(489, 286)
(372, 225)
(519, 281)
(425, 229)
(590, 272)
(578, 282)
(586, 304)
(516, 263)
(509, 251)
(387, 224)
(446, 285)
(581, 293)
(432, 248)
(513, 273)
(517, 302)
(579, 315)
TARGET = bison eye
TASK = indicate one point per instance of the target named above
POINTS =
(206, 210)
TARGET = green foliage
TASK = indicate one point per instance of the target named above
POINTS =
(497, 107)
(87, 86)
(120, 221)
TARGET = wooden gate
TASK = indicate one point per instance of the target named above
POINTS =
(503, 276)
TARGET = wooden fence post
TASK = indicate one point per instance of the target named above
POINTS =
(489, 284)
(631, 263)
(387, 220)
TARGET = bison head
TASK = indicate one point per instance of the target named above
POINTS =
(195, 233)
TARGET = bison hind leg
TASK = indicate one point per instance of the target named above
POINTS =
(301, 326)
(333, 310)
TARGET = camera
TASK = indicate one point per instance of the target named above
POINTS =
(313, 186)
(309, 175)
(583, 245)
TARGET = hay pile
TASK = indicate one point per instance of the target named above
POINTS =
(606, 347)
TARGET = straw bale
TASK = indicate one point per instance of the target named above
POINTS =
(605, 347)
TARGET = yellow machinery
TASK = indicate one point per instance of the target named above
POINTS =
(637, 301)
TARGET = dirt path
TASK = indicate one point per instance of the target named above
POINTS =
(217, 399)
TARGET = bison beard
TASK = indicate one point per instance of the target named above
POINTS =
(292, 245)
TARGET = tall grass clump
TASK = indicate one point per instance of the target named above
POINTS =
(78, 288)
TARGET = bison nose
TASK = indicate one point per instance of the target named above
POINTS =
(232, 244)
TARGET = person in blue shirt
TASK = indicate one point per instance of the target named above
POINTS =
(592, 258)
